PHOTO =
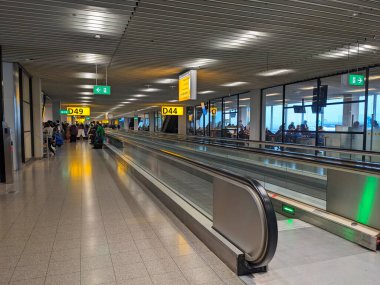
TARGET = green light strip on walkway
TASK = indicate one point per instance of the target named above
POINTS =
(367, 200)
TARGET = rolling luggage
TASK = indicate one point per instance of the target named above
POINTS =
(98, 143)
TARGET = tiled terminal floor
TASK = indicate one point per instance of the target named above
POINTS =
(72, 221)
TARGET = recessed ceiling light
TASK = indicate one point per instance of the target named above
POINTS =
(245, 99)
(355, 14)
(307, 88)
(272, 94)
(87, 97)
(91, 58)
(86, 86)
(206, 92)
(150, 89)
(85, 93)
(173, 101)
(126, 102)
(232, 84)
(351, 50)
(241, 39)
(374, 77)
(360, 90)
(139, 95)
(275, 72)
(97, 36)
(199, 62)
(166, 81)
(88, 75)
(132, 99)
(227, 102)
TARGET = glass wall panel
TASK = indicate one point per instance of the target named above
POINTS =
(158, 121)
(200, 121)
(341, 119)
(230, 120)
(216, 112)
(373, 112)
(190, 121)
(244, 116)
(300, 115)
(272, 100)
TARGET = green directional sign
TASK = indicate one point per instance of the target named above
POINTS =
(356, 80)
(63, 112)
(102, 90)
(88, 118)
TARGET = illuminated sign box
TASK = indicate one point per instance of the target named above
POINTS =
(187, 86)
(171, 111)
(78, 111)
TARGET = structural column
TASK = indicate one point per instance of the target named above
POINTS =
(37, 117)
(2, 154)
(256, 113)
(151, 122)
(56, 108)
(182, 124)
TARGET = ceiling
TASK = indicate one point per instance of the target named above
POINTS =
(144, 41)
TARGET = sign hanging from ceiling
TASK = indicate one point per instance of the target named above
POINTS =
(102, 90)
(78, 111)
(171, 111)
(187, 86)
(356, 80)
(63, 112)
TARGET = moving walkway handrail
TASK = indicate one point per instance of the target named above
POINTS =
(253, 188)
(285, 145)
(329, 162)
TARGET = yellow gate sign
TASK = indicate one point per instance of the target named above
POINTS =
(213, 111)
(171, 111)
(78, 111)
(187, 86)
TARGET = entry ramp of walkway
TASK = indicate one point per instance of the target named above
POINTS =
(231, 214)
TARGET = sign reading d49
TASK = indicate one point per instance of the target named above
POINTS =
(171, 111)
(78, 111)
(102, 90)
(356, 80)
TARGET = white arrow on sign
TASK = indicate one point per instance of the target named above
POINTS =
(360, 80)
(98, 89)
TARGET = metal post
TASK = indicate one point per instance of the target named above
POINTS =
(365, 110)
(283, 114)
(317, 112)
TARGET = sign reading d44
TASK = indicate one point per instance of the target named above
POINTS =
(356, 80)
(102, 90)
(172, 111)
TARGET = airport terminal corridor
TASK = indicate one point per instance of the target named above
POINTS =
(75, 224)
(164, 142)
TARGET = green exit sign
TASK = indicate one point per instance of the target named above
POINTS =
(63, 112)
(356, 80)
(102, 90)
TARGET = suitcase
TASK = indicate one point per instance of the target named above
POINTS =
(98, 143)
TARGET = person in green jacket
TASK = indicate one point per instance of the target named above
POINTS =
(100, 134)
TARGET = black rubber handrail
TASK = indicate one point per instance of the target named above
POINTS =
(286, 145)
(253, 185)
(296, 157)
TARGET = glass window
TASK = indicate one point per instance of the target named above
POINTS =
(158, 121)
(216, 118)
(190, 128)
(341, 116)
(373, 112)
(244, 124)
(200, 119)
(272, 100)
(230, 120)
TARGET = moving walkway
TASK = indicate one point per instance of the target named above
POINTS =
(328, 193)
